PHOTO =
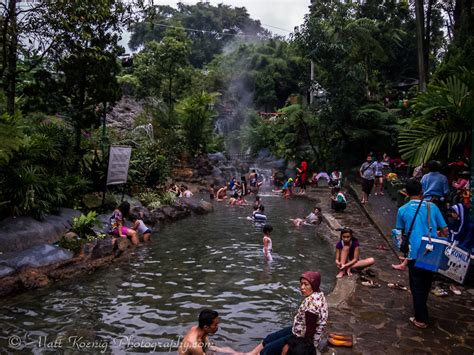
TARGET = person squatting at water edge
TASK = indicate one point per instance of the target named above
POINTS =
(140, 227)
(196, 341)
(338, 200)
(420, 279)
(347, 254)
(309, 322)
(286, 188)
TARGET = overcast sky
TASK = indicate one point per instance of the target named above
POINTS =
(284, 14)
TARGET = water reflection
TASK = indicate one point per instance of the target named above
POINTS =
(155, 293)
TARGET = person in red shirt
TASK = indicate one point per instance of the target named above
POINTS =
(302, 170)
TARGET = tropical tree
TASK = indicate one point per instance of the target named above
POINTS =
(196, 113)
(162, 68)
(87, 58)
(442, 121)
(209, 28)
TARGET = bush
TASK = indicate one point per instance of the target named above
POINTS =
(83, 224)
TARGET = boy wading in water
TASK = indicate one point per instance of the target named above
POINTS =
(267, 242)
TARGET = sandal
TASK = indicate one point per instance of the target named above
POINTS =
(341, 342)
(438, 291)
(418, 324)
(397, 286)
(382, 247)
(454, 289)
(340, 336)
(370, 273)
(370, 283)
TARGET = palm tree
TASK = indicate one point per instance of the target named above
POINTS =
(442, 119)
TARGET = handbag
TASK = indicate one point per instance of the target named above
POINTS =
(405, 241)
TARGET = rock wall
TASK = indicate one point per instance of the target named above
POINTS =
(21, 233)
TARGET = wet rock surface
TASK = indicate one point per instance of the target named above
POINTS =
(378, 317)
(37, 256)
(21, 233)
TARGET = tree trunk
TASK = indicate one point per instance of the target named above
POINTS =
(420, 29)
(10, 84)
(427, 39)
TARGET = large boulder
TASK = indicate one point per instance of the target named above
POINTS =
(216, 172)
(5, 271)
(21, 233)
(102, 248)
(144, 214)
(217, 157)
(198, 206)
(37, 256)
(174, 212)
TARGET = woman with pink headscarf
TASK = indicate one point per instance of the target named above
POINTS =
(309, 322)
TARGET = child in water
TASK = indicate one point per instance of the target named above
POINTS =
(267, 242)
(140, 227)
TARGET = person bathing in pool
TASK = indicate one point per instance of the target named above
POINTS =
(313, 218)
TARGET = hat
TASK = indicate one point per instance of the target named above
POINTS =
(290, 180)
(314, 279)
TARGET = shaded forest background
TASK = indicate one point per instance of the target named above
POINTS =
(204, 74)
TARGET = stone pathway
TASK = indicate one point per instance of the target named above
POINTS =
(378, 317)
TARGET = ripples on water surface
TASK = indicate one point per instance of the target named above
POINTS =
(152, 297)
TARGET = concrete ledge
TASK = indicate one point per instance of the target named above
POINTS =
(342, 291)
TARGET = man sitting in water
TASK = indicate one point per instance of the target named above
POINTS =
(314, 217)
(260, 216)
(221, 194)
(196, 340)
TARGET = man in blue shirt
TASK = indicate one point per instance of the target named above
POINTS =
(420, 279)
(435, 185)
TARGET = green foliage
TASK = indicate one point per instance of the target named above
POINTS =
(262, 75)
(148, 198)
(162, 68)
(442, 121)
(168, 198)
(196, 115)
(153, 199)
(40, 178)
(10, 138)
(84, 224)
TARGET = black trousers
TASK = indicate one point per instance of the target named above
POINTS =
(420, 286)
